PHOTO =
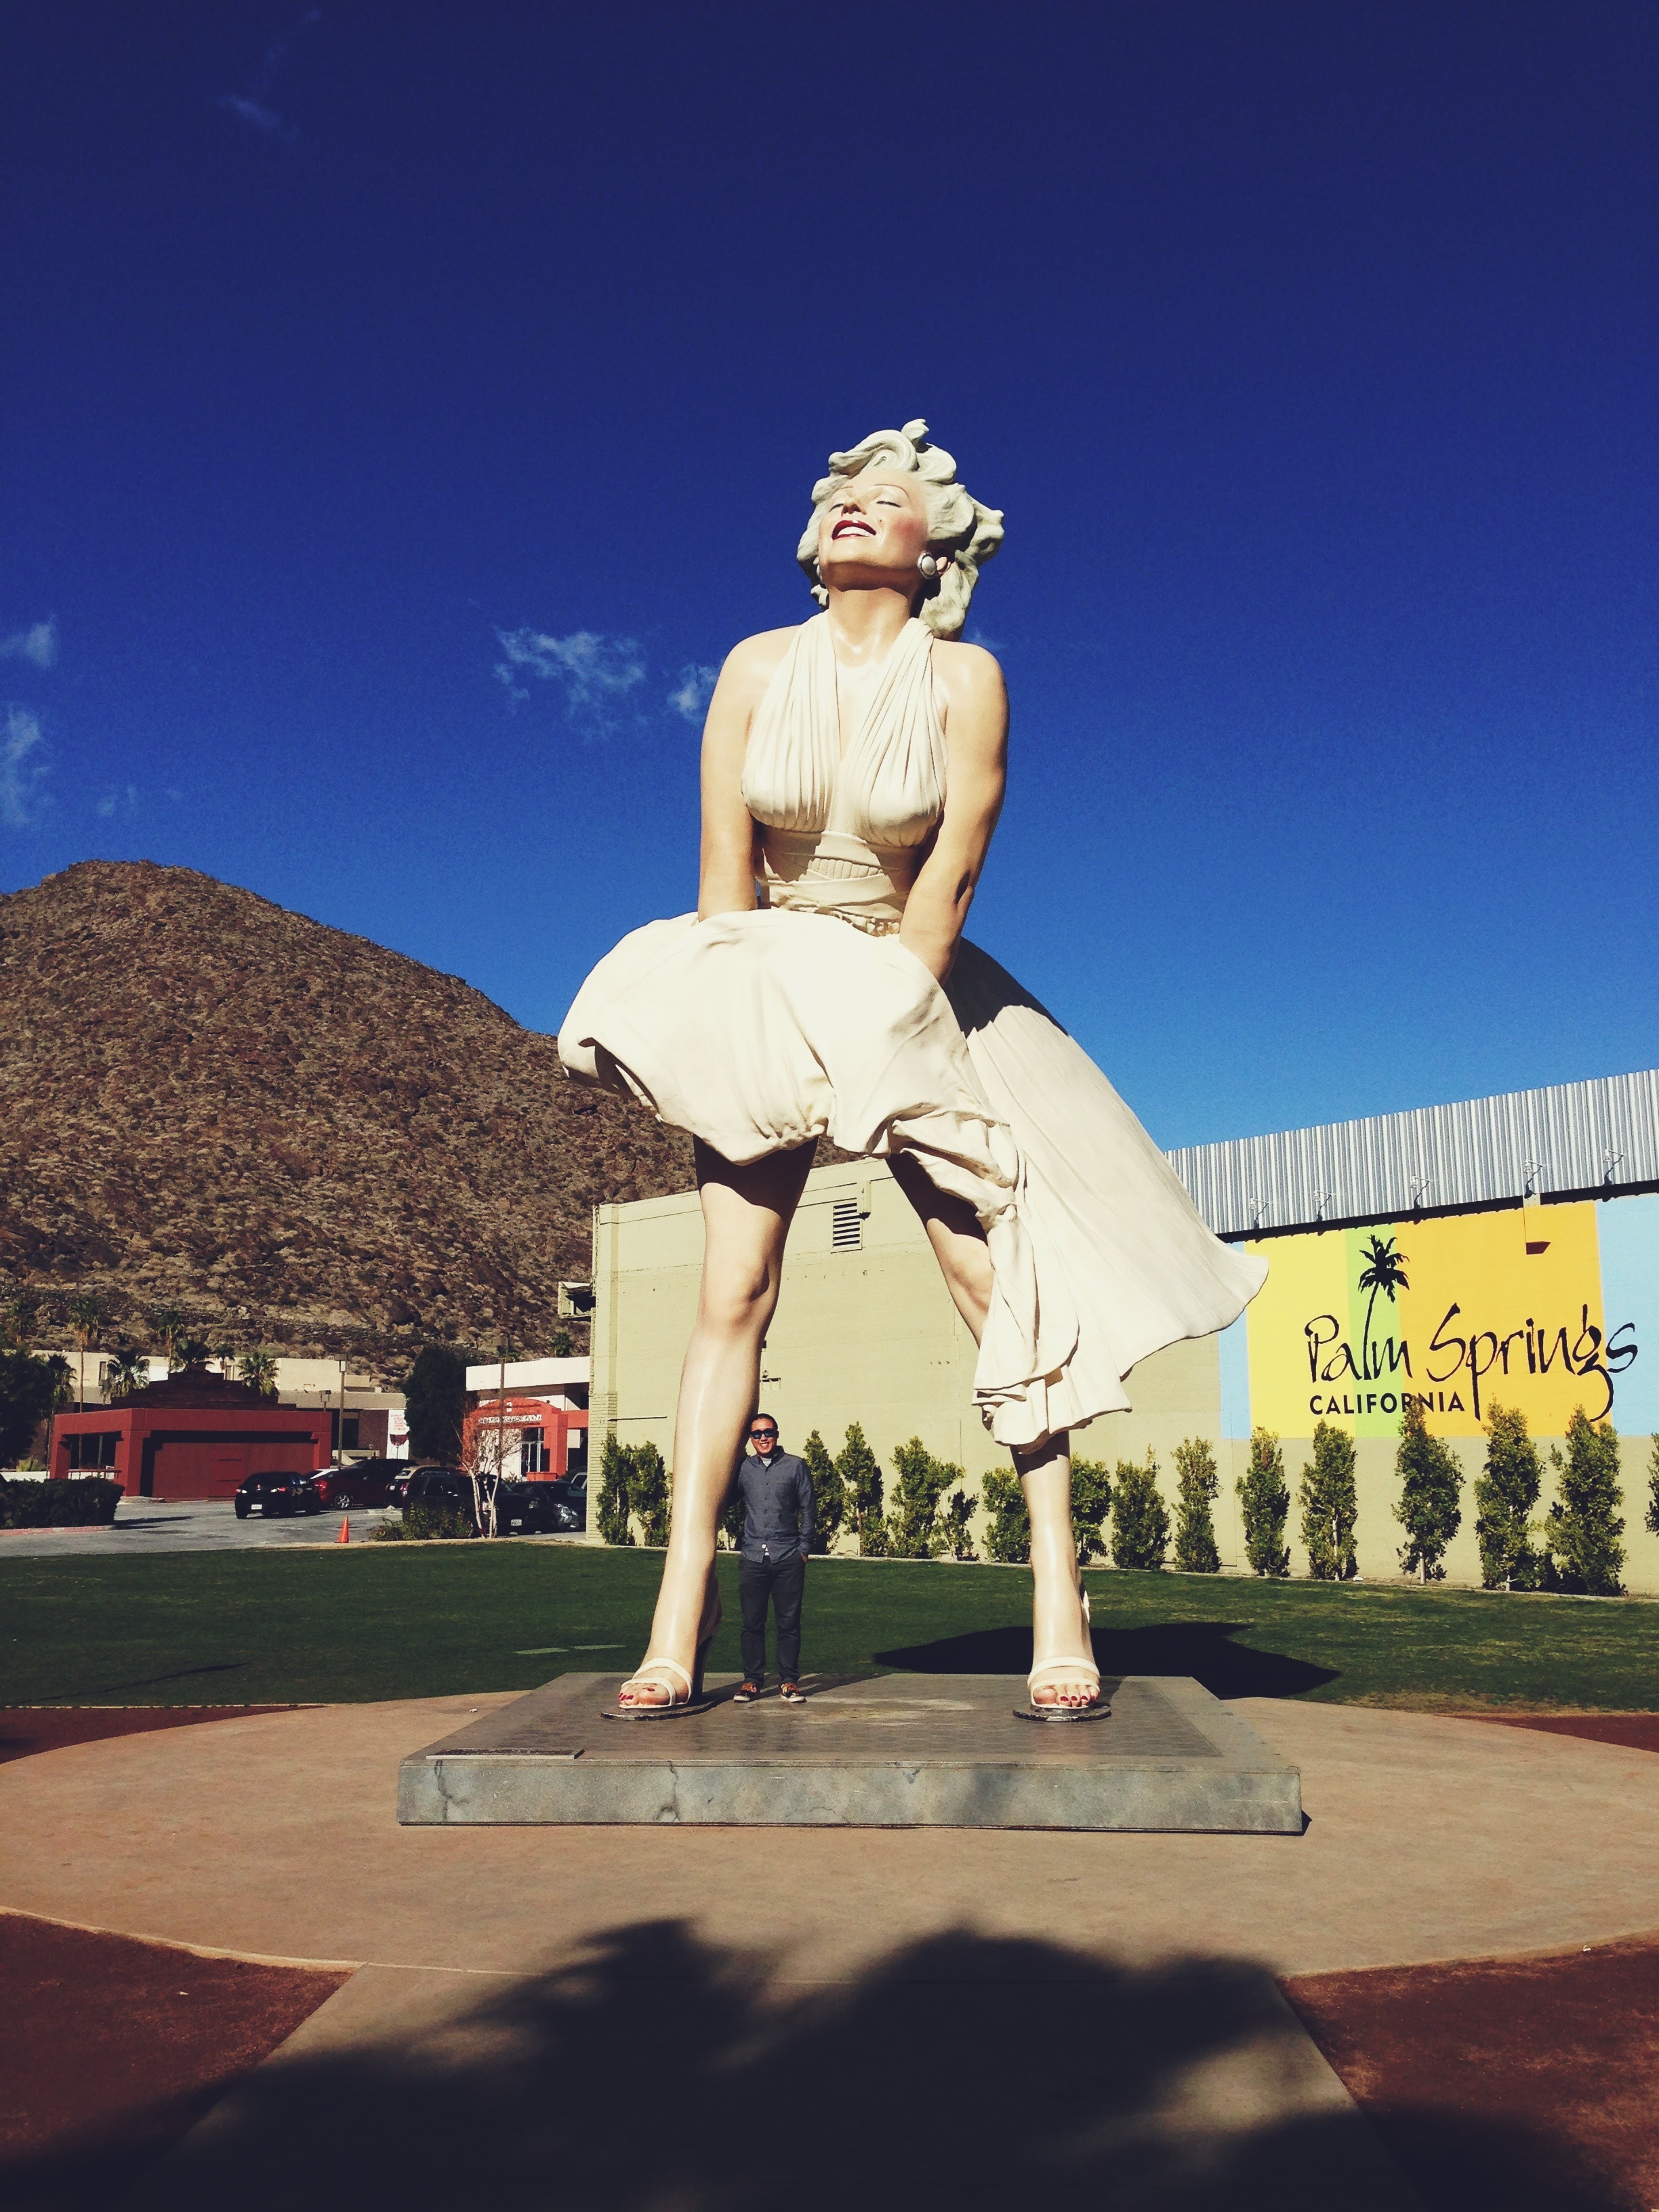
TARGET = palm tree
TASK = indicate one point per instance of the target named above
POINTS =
(86, 1317)
(129, 1370)
(22, 1312)
(1382, 1273)
(258, 1369)
(171, 1330)
(225, 1352)
(62, 1391)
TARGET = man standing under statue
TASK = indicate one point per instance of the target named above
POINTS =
(777, 1535)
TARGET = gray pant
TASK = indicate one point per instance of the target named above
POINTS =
(782, 1582)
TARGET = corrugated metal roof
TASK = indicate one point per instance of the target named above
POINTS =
(1595, 1138)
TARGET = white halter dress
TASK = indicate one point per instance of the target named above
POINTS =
(808, 1017)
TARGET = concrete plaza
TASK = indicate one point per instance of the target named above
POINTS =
(648, 2016)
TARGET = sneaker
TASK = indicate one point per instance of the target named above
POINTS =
(792, 1695)
(745, 1693)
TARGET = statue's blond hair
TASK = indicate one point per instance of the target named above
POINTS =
(957, 523)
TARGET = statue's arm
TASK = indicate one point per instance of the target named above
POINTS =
(725, 880)
(976, 747)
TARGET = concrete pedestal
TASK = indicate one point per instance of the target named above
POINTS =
(902, 1751)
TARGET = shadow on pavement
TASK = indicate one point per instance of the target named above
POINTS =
(968, 2073)
(1202, 1649)
(26, 1730)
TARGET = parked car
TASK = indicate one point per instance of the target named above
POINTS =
(554, 1508)
(398, 1487)
(445, 1488)
(524, 1509)
(271, 1494)
(360, 1482)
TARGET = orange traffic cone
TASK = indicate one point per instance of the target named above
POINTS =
(344, 1536)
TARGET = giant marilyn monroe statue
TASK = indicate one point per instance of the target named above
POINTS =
(852, 772)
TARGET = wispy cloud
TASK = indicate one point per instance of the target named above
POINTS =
(37, 643)
(119, 799)
(263, 119)
(21, 798)
(257, 110)
(596, 674)
(695, 686)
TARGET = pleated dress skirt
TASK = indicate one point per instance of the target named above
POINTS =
(757, 1032)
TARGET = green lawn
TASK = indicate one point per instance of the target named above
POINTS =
(266, 1627)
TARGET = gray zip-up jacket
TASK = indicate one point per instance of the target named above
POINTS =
(777, 1497)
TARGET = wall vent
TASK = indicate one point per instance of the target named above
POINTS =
(846, 1226)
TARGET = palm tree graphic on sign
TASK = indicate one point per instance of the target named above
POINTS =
(1382, 1272)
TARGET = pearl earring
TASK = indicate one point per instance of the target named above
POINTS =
(930, 566)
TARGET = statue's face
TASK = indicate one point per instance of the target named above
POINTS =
(873, 530)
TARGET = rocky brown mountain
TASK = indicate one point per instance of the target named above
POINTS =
(291, 1135)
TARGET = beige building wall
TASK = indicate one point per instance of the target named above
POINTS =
(867, 1333)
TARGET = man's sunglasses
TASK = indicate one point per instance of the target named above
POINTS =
(759, 1435)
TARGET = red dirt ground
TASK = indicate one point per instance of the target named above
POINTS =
(1636, 1731)
(25, 1729)
(1550, 2065)
(117, 2047)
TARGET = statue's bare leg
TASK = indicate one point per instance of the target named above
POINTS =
(746, 1213)
(1059, 1629)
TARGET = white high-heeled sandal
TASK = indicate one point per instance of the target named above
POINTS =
(1099, 1708)
(649, 1674)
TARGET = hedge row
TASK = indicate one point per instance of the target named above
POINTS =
(88, 1502)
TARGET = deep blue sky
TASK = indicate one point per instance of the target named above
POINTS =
(1310, 350)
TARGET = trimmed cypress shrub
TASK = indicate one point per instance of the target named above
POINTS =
(435, 1398)
(1583, 1529)
(855, 1463)
(957, 1526)
(1505, 1492)
(1197, 1488)
(1141, 1520)
(1008, 1529)
(1329, 1505)
(733, 1514)
(648, 1494)
(610, 1512)
(1431, 1485)
(1091, 1502)
(828, 1493)
(1651, 1516)
(1265, 1498)
(919, 1481)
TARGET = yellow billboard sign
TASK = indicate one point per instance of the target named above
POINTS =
(1456, 1313)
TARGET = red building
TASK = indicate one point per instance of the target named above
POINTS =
(539, 1437)
(196, 1435)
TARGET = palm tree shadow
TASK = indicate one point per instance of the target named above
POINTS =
(962, 2072)
(1203, 1649)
